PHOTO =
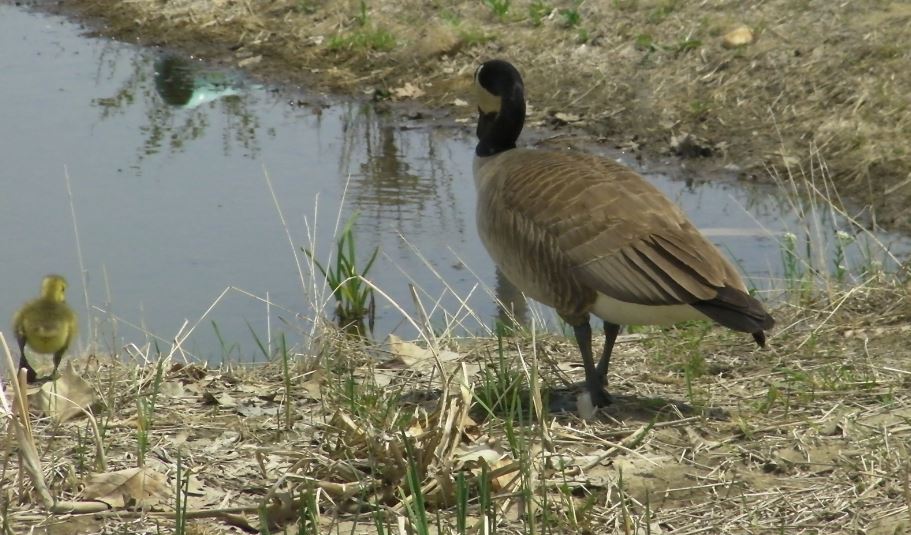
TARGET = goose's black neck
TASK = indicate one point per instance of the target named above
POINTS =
(498, 130)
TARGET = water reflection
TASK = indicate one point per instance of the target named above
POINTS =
(172, 106)
(185, 84)
(383, 183)
(396, 174)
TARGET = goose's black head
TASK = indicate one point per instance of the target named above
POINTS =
(501, 106)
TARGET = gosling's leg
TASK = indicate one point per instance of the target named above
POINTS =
(593, 380)
(58, 356)
(30, 374)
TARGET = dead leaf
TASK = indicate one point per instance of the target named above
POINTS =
(252, 410)
(249, 61)
(687, 145)
(259, 390)
(416, 357)
(133, 487)
(65, 397)
(313, 385)
(562, 118)
(172, 389)
(474, 453)
(408, 90)
(198, 389)
(382, 378)
(205, 496)
(190, 372)
(195, 487)
(223, 399)
(469, 372)
(790, 455)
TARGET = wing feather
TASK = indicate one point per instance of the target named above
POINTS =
(620, 234)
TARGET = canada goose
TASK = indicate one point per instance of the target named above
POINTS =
(46, 324)
(587, 235)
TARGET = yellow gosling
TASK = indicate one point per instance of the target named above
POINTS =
(46, 324)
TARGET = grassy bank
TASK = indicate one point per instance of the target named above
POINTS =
(706, 433)
(636, 73)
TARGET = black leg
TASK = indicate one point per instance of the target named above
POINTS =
(30, 374)
(610, 336)
(593, 381)
(57, 358)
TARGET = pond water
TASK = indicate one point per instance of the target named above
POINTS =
(154, 184)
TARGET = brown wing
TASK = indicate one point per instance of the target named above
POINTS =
(624, 237)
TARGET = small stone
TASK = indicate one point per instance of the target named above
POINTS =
(742, 35)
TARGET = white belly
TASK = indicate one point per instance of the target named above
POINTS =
(623, 313)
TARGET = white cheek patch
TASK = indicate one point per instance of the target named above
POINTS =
(487, 102)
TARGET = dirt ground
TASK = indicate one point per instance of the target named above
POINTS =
(820, 76)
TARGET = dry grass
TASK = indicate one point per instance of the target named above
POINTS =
(707, 435)
(637, 72)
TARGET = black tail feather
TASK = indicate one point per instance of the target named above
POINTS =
(739, 311)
